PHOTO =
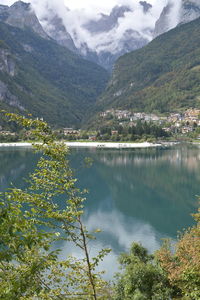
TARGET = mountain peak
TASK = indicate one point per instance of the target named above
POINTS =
(190, 10)
(176, 13)
(54, 27)
(21, 15)
(146, 6)
(21, 5)
(107, 51)
(107, 22)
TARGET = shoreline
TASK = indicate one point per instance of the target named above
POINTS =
(110, 145)
(98, 145)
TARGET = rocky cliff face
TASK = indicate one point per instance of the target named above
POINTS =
(21, 15)
(146, 6)
(54, 27)
(8, 98)
(190, 11)
(4, 12)
(107, 22)
(177, 13)
(8, 67)
(7, 64)
(163, 23)
(131, 41)
(106, 47)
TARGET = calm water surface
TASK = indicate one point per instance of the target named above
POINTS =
(134, 195)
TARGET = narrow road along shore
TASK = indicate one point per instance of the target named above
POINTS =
(92, 145)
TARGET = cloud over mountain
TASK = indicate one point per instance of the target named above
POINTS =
(102, 31)
(77, 19)
(80, 14)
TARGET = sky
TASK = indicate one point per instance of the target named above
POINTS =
(82, 11)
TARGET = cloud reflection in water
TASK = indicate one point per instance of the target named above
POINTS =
(118, 232)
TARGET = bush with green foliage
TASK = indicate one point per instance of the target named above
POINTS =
(182, 262)
(142, 278)
(173, 272)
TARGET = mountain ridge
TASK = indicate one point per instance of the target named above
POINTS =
(45, 79)
(187, 11)
(163, 76)
(106, 51)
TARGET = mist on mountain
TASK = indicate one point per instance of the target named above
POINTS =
(103, 31)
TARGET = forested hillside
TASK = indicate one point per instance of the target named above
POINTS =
(163, 76)
(45, 79)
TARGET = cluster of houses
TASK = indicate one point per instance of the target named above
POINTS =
(6, 132)
(173, 122)
(129, 116)
(70, 131)
(183, 123)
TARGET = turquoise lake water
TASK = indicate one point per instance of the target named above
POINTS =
(134, 195)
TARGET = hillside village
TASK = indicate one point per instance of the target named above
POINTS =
(183, 123)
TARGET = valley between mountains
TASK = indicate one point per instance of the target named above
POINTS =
(43, 72)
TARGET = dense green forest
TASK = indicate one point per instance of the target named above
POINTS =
(163, 76)
(49, 81)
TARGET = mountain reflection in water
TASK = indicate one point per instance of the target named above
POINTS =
(134, 195)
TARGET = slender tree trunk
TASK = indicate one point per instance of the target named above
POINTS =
(91, 279)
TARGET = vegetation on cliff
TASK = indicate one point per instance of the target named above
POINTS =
(49, 81)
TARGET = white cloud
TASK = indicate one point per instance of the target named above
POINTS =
(117, 234)
(83, 11)
(175, 13)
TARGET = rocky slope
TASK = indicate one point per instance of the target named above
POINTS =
(8, 67)
(21, 15)
(190, 10)
(54, 27)
(176, 13)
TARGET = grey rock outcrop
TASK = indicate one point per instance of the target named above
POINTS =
(7, 97)
(163, 23)
(7, 64)
(107, 22)
(188, 11)
(54, 27)
(146, 6)
(4, 12)
(21, 15)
